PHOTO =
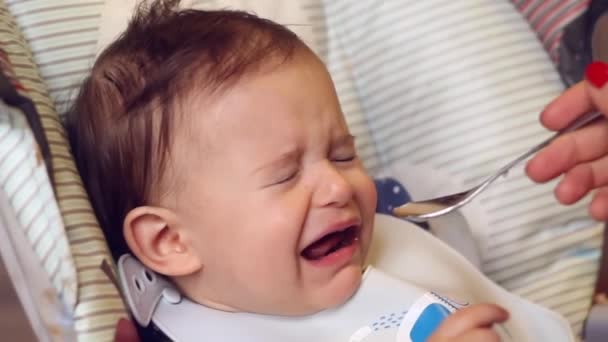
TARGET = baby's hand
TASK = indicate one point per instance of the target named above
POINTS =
(471, 324)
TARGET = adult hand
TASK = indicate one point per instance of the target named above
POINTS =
(581, 156)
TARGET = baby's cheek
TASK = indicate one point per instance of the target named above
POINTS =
(367, 199)
(366, 193)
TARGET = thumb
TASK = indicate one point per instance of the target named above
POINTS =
(597, 85)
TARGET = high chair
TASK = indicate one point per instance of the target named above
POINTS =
(411, 76)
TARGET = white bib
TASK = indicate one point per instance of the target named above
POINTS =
(393, 303)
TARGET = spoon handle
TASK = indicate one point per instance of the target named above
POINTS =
(573, 126)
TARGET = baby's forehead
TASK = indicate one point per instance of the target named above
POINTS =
(277, 91)
(205, 98)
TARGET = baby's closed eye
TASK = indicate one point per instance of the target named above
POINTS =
(284, 176)
(344, 157)
(343, 150)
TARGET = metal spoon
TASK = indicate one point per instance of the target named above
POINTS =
(423, 210)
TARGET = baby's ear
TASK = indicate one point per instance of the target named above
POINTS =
(154, 236)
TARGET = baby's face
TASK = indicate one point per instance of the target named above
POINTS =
(276, 204)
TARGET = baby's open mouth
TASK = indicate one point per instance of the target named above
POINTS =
(330, 243)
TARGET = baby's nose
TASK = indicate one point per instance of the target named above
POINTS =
(333, 188)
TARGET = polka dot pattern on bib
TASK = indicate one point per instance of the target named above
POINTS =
(392, 320)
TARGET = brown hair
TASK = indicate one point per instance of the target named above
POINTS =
(121, 123)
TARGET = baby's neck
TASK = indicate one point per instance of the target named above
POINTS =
(217, 306)
(186, 285)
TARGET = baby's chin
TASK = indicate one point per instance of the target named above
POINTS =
(339, 290)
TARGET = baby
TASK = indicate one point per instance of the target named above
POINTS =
(213, 148)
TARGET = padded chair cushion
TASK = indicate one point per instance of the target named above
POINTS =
(24, 180)
(97, 303)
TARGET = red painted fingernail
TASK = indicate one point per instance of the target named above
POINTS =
(597, 74)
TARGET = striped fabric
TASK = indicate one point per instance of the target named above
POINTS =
(98, 304)
(452, 86)
(7, 70)
(42, 292)
(62, 35)
(24, 180)
(548, 18)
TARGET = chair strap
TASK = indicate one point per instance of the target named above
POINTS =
(11, 97)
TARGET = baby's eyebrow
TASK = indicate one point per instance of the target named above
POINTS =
(284, 159)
